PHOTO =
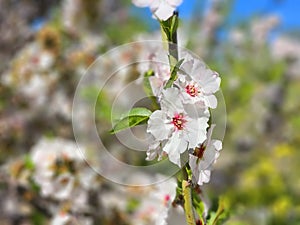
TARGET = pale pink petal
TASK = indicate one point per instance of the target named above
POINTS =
(164, 11)
(193, 162)
(200, 176)
(209, 81)
(171, 102)
(142, 3)
(158, 126)
(174, 147)
(154, 5)
(217, 144)
(151, 154)
(154, 150)
(174, 3)
(196, 131)
(156, 85)
(196, 110)
(204, 177)
(198, 68)
(187, 67)
(211, 101)
(209, 157)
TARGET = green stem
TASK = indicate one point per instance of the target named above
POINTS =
(173, 48)
(169, 32)
(188, 206)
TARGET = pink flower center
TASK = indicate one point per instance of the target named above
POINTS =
(192, 90)
(178, 121)
(167, 198)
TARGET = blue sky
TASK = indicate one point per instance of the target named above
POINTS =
(288, 10)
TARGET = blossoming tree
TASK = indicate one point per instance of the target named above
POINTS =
(180, 128)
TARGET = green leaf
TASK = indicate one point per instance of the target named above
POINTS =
(165, 26)
(134, 117)
(198, 204)
(222, 213)
(174, 71)
(169, 27)
(174, 25)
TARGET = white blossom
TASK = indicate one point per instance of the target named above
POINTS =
(202, 158)
(155, 207)
(162, 9)
(52, 159)
(198, 83)
(174, 125)
(161, 76)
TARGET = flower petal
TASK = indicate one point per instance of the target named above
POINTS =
(142, 3)
(174, 2)
(196, 131)
(209, 157)
(209, 81)
(174, 147)
(200, 176)
(217, 144)
(158, 125)
(196, 110)
(170, 102)
(164, 11)
(154, 149)
(204, 177)
(211, 101)
(187, 66)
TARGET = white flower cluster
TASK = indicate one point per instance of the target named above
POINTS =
(157, 205)
(32, 74)
(62, 175)
(181, 128)
(153, 204)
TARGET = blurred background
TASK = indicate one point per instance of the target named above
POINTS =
(46, 47)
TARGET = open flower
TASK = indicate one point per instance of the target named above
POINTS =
(162, 9)
(154, 58)
(161, 76)
(174, 128)
(55, 161)
(198, 84)
(202, 158)
(61, 218)
(156, 206)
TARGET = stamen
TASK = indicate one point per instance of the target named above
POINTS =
(178, 121)
(192, 90)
